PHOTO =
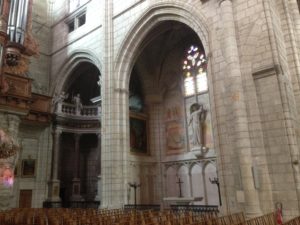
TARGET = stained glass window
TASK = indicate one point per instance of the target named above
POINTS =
(194, 70)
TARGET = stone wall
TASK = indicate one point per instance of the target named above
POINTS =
(253, 73)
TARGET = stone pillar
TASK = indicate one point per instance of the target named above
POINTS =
(77, 156)
(190, 182)
(76, 176)
(54, 184)
(236, 109)
(99, 154)
(99, 187)
(98, 195)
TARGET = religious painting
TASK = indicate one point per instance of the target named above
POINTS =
(174, 124)
(28, 167)
(175, 138)
(138, 133)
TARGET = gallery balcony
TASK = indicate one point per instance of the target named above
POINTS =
(69, 110)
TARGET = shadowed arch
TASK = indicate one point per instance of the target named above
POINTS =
(130, 48)
(70, 64)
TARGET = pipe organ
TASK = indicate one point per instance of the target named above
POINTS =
(16, 30)
(17, 45)
(4, 14)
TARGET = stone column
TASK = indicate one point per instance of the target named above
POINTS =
(190, 182)
(236, 109)
(99, 154)
(54, 184)
(76, 176)
(99, 187)
(98, 195)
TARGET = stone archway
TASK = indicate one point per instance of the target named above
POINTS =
(68, 67)
(129, 51)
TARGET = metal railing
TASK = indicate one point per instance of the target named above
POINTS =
(72, 204)
(195, 208)
(142, 207)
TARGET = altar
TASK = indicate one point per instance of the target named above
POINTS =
(178, 201)
(181, 200)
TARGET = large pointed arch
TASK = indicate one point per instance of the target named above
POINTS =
(131, 46)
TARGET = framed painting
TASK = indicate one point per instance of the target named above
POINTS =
(138, 133)
(28, 167)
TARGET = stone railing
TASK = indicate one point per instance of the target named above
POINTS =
(84, 112)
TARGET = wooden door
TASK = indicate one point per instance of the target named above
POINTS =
(25, 199)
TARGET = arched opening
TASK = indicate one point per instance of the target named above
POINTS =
(84, 81)
(169, 118)
(77, 116)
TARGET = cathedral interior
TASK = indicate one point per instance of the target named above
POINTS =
(161, 104)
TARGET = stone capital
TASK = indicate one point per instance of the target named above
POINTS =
(13, 118)
(57, 132)
(221, 1)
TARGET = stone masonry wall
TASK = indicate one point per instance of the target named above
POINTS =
(263, 126)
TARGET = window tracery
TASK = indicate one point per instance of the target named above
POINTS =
(194, 71)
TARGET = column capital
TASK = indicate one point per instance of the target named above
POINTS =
(56, 132)
(221, 1)
(13, 118)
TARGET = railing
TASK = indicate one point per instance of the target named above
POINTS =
(72, 204)
(195, 208)
(84, 111)
(176, 208)
(142, 207)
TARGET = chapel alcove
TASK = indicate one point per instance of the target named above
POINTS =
(167, 96)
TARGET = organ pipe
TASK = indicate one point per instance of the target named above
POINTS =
(17, 21)
(4, 14)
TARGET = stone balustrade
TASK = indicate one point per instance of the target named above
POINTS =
(68, 109)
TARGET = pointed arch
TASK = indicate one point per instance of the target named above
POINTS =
(131, 46)
(70, 64)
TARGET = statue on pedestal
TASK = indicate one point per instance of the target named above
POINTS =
(196, 121)
(58, 100)
(78, 104)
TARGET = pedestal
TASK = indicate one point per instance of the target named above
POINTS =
(199, 151)
(54, 186)
(180, 201)
(98, 196)
(76, 190)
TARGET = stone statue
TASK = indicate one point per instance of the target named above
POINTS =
(99, 82)
(197, 118)
(58, 99)
(78, 104)
(135, 102)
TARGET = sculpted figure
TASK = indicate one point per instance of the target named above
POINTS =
(58, 99)
(197, 118)
(78, 104)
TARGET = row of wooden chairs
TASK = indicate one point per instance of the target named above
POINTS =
(100, 217)
(60, 216)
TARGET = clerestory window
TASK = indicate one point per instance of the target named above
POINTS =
(76, 22)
